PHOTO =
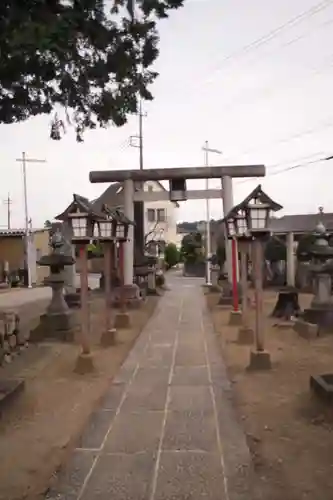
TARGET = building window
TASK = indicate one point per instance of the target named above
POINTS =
(151, 215)
(161, 215)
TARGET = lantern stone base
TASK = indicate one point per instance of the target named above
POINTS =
(321, 315)
(226, 298)
(84, 364)
(129, 294)
(9, 391)
(306, 330)
(57, 326)
(259, 360)
(212, 288)
(322, 386)
(108, 338)
(122, 321)
(245, 336)
(287, 305)
(235, 318)
(73, 299)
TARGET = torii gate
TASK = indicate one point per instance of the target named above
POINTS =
(129, 177)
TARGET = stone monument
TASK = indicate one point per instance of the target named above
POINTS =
(320, 312)
(57, 322)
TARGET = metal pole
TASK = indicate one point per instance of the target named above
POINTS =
(85, 319)
(258, 293)
(26, 219)
(107, 283)
(24, 161)
(8, 211)
(208, 274)
(8, 202)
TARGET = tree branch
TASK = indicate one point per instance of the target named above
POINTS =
(150, 233)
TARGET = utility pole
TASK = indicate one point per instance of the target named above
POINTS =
(139, 229)
(24, 160)
(8, 201)
(206, 150)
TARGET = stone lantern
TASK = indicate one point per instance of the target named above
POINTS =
(57, 322)
(320, 311)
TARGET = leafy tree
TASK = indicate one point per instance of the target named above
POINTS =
(191, 247)
(221, 255)
(89, 56)
(171, 255)
(47, 224)
(275, 250)
(304, 246)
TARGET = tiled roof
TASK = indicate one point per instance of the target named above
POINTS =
(12, 232)
(113, 196)
(19, 231)
(302, 223)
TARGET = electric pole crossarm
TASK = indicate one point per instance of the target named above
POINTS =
(24, 160)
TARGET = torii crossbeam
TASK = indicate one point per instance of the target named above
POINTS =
(129, 177)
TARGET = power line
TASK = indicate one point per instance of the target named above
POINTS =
(298, 135)
(270, 89)
(275, 32)
(293, 167)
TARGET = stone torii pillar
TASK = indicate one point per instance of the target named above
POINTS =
(129, 245)
(228, 204)
(129, 177)
(290, 260)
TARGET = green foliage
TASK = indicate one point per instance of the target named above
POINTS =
(89, 56)
(160, 280)
(47, 224)
(221, 255)
(304, 246)
(95, 250)
(191, 248)
(171, 255)
(275, 250)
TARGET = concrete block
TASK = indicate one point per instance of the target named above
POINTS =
(84, 364)
(235, 318)
(109, 338)
(259, 360)
(245, 336)
(306, 330)
(122, 320)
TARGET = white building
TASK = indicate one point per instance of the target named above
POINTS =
(160, 217)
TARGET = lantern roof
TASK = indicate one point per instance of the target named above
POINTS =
(83, 204)
(117, 215)
(257, 195)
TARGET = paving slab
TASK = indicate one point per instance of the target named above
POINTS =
(166, 428)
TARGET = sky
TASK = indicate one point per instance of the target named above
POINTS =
(254, 79)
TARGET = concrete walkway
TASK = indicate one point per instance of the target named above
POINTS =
(23, 296)
(166, 430)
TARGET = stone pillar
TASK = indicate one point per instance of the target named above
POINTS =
(152, 281)
(215, 271)
(129, 245)
(228, 203)
(290, 260)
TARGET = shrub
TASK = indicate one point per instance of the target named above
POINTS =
(160, 280)
(171, 255)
